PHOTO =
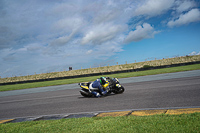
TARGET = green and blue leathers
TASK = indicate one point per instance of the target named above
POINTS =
(97, 84)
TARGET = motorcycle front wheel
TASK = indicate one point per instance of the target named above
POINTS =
(119, 90)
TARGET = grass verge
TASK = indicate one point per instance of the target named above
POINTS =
(156, 123)
(85, 79)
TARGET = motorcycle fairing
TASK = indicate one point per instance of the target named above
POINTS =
(118, 85)
(84, 86)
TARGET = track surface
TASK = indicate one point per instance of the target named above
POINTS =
(177, 91)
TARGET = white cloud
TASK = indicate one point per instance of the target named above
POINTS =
(89, 51)
(141, 32)
(194, 53)
(68, 24)
(184, 5)
(189, 17)
(34, 47)
(102, 33)
(62, 40)
(154, 7)
(107, 15)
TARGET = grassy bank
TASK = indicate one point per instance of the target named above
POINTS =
(168, 61)
(127, 124)
(77, 80)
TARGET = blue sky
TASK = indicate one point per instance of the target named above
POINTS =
(39, 36)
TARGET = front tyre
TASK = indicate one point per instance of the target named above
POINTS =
(119, 90)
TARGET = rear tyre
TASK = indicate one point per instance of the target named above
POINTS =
(85, 93)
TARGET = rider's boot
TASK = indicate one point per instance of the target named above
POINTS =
(96, 94)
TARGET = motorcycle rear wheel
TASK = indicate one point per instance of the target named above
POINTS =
(85, 93)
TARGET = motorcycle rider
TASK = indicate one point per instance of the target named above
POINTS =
(100, 83)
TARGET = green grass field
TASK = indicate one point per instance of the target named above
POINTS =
(184, 123)
(85, 79)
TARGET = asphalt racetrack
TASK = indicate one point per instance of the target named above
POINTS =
(173, 90)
